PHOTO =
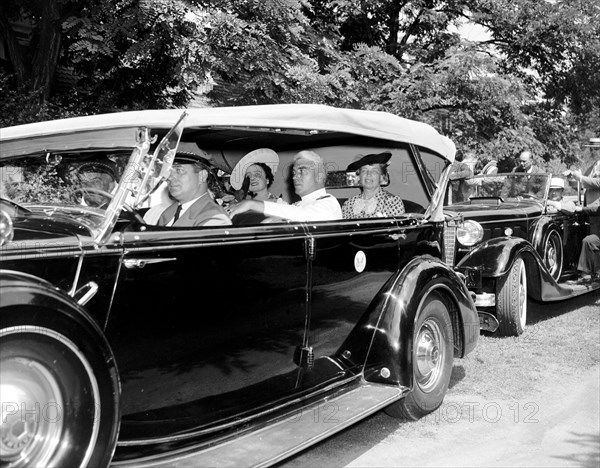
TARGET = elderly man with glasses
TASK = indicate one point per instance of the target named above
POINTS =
(309, 176)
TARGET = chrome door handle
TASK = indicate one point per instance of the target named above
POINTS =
(142, 262)
(396, 236)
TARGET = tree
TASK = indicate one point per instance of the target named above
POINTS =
(554, 45)
(409, 30)
(533, 83)
(34, 66)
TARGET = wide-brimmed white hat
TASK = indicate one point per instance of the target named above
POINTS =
(260, 155)
(557, 182)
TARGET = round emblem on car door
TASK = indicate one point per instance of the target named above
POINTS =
(360, 261)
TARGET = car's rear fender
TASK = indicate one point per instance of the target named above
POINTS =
(391, 317)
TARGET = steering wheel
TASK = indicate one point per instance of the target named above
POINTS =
(82, 191)
(527, 195)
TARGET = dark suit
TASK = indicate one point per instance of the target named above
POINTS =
(199, 214)
(534, 169)
(461, 189)
(589, 259)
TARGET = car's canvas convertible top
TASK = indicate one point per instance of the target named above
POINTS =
(119, 130)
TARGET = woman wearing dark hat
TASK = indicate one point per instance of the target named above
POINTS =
(373, 201)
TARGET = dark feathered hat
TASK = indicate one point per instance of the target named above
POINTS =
(369, 159)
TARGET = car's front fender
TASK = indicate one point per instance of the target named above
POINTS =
(494, 258)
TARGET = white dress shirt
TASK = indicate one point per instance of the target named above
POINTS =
(316, 206)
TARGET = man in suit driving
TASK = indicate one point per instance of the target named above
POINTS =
(192, 203)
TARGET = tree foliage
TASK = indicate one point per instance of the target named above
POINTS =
(532, 82)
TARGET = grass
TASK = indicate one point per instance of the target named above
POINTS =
(559, 341)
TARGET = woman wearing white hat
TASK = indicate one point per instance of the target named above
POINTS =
(254, 174)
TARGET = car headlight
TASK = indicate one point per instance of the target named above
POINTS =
(469, 233)
(6, 228)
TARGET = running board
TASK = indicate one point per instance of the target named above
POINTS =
(281, 439)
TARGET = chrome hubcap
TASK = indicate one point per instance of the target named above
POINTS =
(429, 354)
(31, 422)
(523, 295)
(551, 257)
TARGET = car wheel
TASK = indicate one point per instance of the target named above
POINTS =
(432, 357)
(511, 300)
(59, 396)
(553, 254)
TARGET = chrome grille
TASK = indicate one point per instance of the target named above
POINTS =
(449, 245)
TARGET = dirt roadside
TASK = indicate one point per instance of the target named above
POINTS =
(551, 419)
(558, 427)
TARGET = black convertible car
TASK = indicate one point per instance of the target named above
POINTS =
(132, 344)
(513, 244)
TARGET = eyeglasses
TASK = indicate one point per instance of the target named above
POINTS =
(301, 171)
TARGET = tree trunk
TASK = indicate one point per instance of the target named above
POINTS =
(46, 53)
(394, 27)
(16, 54)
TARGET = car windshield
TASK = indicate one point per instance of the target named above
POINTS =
(91, 178)
(85, 179)
(510, 186)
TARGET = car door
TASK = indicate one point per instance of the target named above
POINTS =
(205, 323)
(350, 262)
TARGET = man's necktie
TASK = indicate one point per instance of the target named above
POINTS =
(177, 213)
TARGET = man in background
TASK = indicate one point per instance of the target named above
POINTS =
(525, 163)
(462, 171)
(589, 258)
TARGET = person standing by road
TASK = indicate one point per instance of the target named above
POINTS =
(462, 171)
(525, 163)
(589, 258)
